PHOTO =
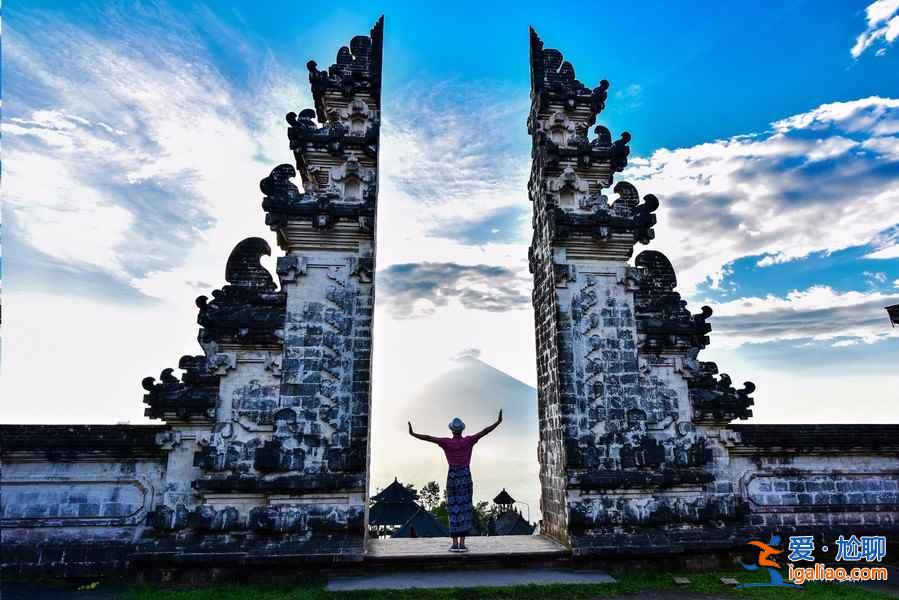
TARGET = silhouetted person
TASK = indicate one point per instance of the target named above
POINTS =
(458, 480)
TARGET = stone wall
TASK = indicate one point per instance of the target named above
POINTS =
(827, 477)
(75, 496)
(636, 452)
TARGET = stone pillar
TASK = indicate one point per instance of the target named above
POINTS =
(270, 428)
(622, 465)
(327, 274)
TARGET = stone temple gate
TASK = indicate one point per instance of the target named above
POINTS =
(264, 452)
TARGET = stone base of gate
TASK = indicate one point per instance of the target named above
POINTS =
(436, 549)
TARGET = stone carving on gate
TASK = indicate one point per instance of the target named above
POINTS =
(621, 346)
(284, 382)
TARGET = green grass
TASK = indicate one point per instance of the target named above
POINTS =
(629, 582)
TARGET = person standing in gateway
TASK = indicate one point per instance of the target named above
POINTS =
(458, 480)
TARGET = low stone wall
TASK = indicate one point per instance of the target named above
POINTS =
(76, 498)
(840, 478)
(84, 500)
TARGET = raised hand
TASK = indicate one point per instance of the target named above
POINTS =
(410, 429)
(490, 427)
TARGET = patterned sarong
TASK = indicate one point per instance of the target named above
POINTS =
(458, 499)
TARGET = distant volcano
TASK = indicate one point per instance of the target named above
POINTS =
(474, 391)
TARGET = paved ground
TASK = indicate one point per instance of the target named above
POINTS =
(498, 546)
(674, 595)
(465, 579)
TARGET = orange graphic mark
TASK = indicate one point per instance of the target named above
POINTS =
(766, 551)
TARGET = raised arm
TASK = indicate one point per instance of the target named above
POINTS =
(426, 438)
(490, 428)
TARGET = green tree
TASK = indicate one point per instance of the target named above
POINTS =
(442, 514)
(430, 495)
(482, 513)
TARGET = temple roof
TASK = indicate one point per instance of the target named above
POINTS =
(625, 216)
(391, 513)
(504, 498)
(512, 523)
(423, 524)
(284, 202)
(395, 492)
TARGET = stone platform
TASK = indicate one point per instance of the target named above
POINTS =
(493, 547)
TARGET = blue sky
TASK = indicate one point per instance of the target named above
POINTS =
(135, 135)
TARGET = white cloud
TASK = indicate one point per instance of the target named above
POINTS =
(450, 159)
(885, 146)
(441, 147)
(417, 289)
(818, 313)
(845, 343)
(823, 180)
(873, 115)
(99, 352)
(884, 253)
(883, 27)
(143, 167)
(128, 163)
(468, 353)
(630, 97)
(886, 245)
(873, 278)
(53, 220)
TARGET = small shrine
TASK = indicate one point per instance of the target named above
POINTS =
(504, 501)
(395, 512)
(507, 519)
